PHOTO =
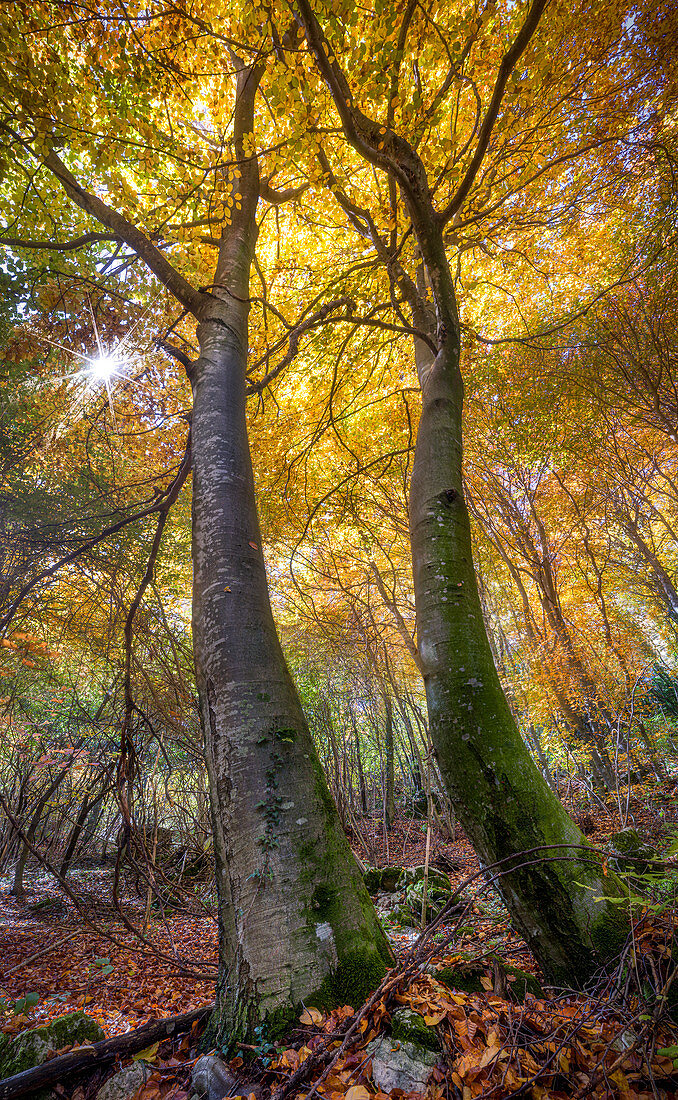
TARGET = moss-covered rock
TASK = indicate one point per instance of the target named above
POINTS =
(33, 1047)
(437, 880)
(405, 917)
(390, 877)
(372, 878)
(626, 841)
(520, 981)
(382, 878)
(409, 1026)
(463, 977)
(632, 852)
(466, 976)
(436, 899)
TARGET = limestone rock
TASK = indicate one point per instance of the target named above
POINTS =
(32, 1047)
(628, 842)
(398, 1064)
(211, 1078)
(124, 1084)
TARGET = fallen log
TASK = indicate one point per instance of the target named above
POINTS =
(66, 1066)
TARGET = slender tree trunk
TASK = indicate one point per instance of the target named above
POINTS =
(389, 786)
(18, 881)
(296, 923)
(359, 764)
(658, 765)
(502, 801)
(88, 804)
(533, 734)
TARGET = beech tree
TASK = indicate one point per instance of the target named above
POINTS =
(295, 920)
(501, 798)
(135, 135)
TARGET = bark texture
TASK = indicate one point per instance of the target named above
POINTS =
(296, 922)
(501, 799)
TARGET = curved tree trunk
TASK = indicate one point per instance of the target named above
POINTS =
(296, 922)
(502, 800)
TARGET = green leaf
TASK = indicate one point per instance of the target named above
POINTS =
(147, 1055)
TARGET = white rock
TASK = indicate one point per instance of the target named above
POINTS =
(400, 1065)
(124, 1084)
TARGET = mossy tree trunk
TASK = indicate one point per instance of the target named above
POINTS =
(295, 920)
(501, 799)
(499, 795)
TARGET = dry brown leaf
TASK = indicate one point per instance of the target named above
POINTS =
(489, 1054)
(311, 1016)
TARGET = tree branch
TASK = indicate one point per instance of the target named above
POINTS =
(294, 338)
(158, 506)
(56, 246)
(507, 66)
(126, 231)
(63, 1068)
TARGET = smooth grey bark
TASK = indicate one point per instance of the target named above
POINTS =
(296, 922)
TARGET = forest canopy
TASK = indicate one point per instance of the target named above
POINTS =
(339, 484)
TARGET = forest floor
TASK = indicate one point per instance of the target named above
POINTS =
(555, 1046)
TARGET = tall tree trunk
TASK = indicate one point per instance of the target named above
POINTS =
(359, 765)
(296, 922)
(389, 786)
(535, 739)
(502, 801)
(18, 881)
(89, 804)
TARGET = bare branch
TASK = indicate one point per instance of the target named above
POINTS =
(508, 64)
(56, 246)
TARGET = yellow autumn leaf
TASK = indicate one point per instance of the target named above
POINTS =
(311, 1016)
(431, 1021)
(357, 1092)
(147, 1055)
